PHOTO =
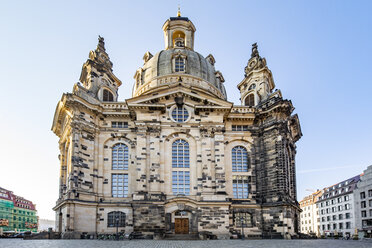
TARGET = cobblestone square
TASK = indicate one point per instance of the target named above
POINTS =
(18, 243)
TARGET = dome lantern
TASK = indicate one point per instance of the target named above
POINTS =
(179, 33)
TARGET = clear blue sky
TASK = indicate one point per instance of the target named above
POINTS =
(319, 52)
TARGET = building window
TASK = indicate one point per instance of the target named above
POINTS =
(339, 207)
(180, 114)
(334, 226)
(120, 157)
(179, 64)
(340, 225)
(347, 206)
(340, 216)
(370, 203)
(348, 225)
(119, 124)
(328, 218)
(243, 219)
(347, 216)
(362, 195)
(334, 217)
(116, 219)
(239, 159)
(107, 96)
(119, 185)
(181, 182)
(253, 86)
(364, 213)
(370, 193)
(239, 128)
(370, 213)
(363, 204)
(346, 198)
(249, 100)
(240, 187)
(180, 154)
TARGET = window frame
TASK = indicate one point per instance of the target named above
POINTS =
(111, 218)
(118, 151)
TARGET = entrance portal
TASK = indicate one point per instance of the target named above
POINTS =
(181, 225)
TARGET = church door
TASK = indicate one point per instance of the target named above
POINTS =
(181, 225)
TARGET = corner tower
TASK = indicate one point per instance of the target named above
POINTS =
(258, 81)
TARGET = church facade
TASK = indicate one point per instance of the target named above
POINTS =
(177, 157)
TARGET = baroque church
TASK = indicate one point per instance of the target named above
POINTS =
(177, 157)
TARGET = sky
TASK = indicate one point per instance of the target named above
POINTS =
(318, 51)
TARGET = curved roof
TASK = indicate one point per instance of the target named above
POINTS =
(161, 65)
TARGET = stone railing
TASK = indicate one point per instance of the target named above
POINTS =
(242, 109)
(114, 105)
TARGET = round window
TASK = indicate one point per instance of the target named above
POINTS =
(180, 114)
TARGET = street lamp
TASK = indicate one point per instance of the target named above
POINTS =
(241, 222)
(117, 225)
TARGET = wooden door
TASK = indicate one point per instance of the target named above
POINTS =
(181, 226)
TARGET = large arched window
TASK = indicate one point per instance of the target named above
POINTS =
(120, 157)
(116, 219)
(180, 165)
(107, 96)
(240, 161)
(249, 100)
(180, 154)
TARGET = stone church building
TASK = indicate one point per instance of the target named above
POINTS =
(177, 157)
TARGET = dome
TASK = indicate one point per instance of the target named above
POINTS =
(178, 62)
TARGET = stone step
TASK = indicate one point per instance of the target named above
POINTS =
(181, 237)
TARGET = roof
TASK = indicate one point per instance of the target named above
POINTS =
(18, 201)
(344, 187)
(180, 18)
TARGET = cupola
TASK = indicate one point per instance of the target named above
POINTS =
(258, 83)
(179, 32)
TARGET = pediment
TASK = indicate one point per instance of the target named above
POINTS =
(168, 96)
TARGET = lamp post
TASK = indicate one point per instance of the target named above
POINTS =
(241, 222)
(117, 225)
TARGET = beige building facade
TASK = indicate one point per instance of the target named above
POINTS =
(310, 220)
(177, 157)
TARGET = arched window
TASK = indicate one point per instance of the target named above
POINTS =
(179, 38)
(180, 114)
(107, 96)
(239, 159)
(120, 157)
(116, 219)
(179, 65)
(252, 86)
(180, 154)
(180, 161)
(249, 100)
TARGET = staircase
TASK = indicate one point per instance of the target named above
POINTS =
(181, 237)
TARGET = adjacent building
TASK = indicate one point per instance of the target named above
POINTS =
(16, 213)
(310, 221)
(177, 157)
(337, 208)
(363, 204)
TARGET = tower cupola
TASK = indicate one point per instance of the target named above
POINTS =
(179, 32)
(258, 83)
